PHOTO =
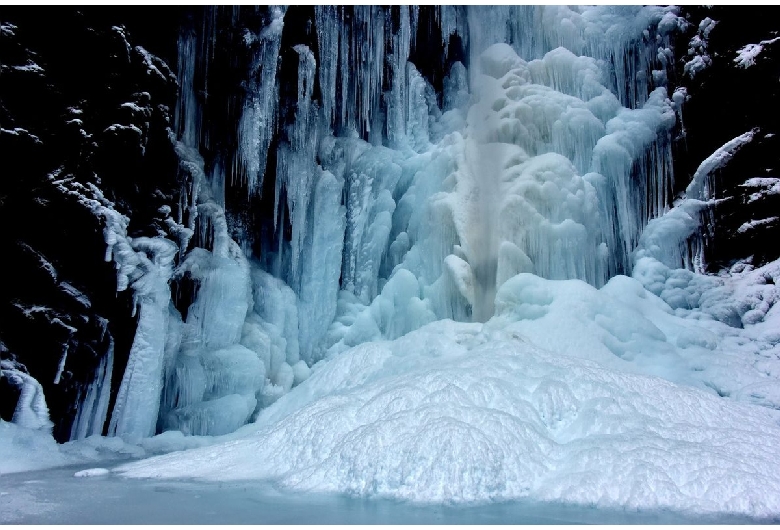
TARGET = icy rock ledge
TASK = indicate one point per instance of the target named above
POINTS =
(454, 412)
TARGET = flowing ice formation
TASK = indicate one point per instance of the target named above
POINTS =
(428, 253)
(378, 202)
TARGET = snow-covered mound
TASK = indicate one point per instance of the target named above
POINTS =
(465, 412)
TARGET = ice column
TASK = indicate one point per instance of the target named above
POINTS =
(138, 400)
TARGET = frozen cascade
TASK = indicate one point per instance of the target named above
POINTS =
(395, 204)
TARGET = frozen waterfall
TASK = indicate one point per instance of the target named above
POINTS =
(364, 196)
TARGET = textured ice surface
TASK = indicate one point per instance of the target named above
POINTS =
(92, 472)
(461, 412)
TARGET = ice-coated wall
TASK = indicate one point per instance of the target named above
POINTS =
(371, 189)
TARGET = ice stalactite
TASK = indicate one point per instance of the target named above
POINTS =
(187, 115)
(258, 121)
(328, 23)
(397, 109)
(92, 412)
(296, 161)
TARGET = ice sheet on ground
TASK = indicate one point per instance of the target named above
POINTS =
(57, 497)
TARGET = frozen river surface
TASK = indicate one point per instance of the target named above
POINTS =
(56, 496)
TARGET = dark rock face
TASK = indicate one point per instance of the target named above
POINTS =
(727, 100)
(84, 111)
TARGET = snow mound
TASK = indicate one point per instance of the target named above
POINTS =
(457, 412)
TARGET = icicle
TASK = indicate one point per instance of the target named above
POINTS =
(450, 23)
(398, 106)
(258, 121)
(328, 29)
(187, 115)
(296, 161)
(92, 411)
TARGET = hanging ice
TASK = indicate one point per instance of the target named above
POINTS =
(393, 205)
(258, 121)
(92, 411)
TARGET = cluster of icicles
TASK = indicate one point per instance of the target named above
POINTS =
(547, 152)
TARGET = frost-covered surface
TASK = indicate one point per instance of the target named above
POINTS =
(746, 56)
(764, 186)
(744, 227)
(697, 48)
(701, 183)
(461, 412)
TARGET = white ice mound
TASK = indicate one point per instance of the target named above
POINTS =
(455, 413)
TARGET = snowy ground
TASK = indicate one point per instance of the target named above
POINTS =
(454, 413)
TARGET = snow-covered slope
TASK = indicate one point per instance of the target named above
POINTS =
(459, 412)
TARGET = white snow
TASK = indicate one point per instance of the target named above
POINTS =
(753, 223)
(153, 65)
(701, 184)
(7, 29)
(461, 412)
(766, 186)
(31, 66)
(18, 131)
(697, 49)
(746, 56)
